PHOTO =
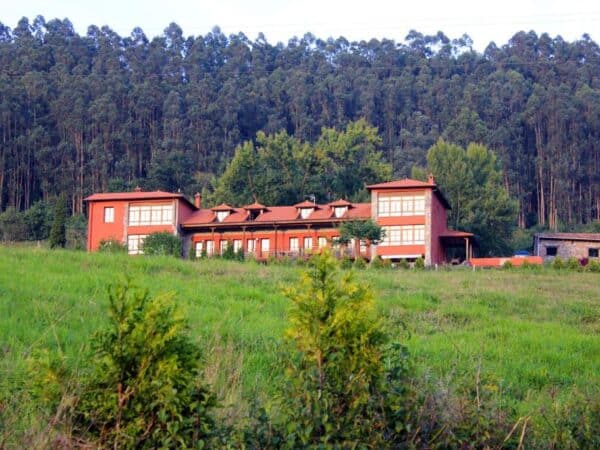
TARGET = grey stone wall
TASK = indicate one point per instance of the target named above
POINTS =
(565, 248)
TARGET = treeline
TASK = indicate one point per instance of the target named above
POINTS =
(97, 112)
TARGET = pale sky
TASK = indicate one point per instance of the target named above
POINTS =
(279, 20)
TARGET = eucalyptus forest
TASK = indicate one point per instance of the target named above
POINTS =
(97, 112)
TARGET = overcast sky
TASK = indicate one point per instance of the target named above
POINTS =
(355, 20)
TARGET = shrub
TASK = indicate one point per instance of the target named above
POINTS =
(12, 225)
(377, 262)
(112, 246)
(507, 265)
(346, 262)
(143, 390)
(228, 253)
(163, 243)
(573, 264)
(593, 266)
(557, 263)
(239, 255)
(38, 220)
(403, 264)
(360, 263)
(344, 389)
(419, 263)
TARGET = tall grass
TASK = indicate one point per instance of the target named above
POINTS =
(526, 339)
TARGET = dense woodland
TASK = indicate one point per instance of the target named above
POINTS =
(80, 114)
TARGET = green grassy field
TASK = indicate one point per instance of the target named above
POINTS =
(530, 337)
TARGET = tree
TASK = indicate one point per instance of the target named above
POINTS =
(339, 393)
(360, 230)
(163, 243)
(471, 179)
(58, 236)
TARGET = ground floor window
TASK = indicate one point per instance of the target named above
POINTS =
(237, 245)
(135, 244)
(198, 249)
(307, 243)
(223, 246)
(294, 244)
(404, 235)
(322, 242)
(251, 246)
(551, 251)
(210, 248)
(264, 245)
(593, 252)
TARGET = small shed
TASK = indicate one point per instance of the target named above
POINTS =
(566, 245)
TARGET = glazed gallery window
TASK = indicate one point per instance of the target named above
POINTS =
(109, 214)
(135, 244)
(151, 215)
(394, 205)
(404, 235)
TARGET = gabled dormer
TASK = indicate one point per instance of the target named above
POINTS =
(339, 208)
(222, 211)
(305, 209)
(254, 210)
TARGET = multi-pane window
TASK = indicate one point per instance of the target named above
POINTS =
(237, 245)
(294, 244)
(404, 235)
(223, 246)
(307, 243)
(251, 246)
(109, 214)
(322, 242)
(264, 245)
(150, 215)
(400, 205)
(198, 248)
(305, 212)
(210, 248)
(135, 244)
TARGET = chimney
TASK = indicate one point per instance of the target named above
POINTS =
(138, 189)
(431, 180)
(198, 200)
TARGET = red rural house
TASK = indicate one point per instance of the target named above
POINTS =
(412, 213)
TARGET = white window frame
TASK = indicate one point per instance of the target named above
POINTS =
(339, 211)
(135, 244)
(265, 245)
(223, 244)
(294, 244)
(109, 214)
(322, 242)
(403, 235)
(222, 215)
(251, 246)
(306, 212)
(397, 205)
(210, 248)
(237, 245)
(142, 215)
(198, 249)
(307, 243)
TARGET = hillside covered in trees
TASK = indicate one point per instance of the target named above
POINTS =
(81, 114)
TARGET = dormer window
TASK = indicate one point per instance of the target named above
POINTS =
(221, 215)
(222, 211)
(254, 210)
(305, 212)
(339, 211)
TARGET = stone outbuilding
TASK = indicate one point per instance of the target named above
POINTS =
(566, 245)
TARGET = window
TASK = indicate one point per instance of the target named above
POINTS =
(400, 205)
(294, 244)
(305, 212)
(322, 242)
(150, 215)
(363, 247)
(551, 251)
(135, 244)
(237, 245)
(307, 243)
(339, 211)
(223, 246)
(264, 245)
(251, 246)
(210, 248)
(109, 214)
(198, 249)
(221, 215)
(404, 235)
(592, 252)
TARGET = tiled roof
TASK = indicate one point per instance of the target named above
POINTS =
(137, 196)
(401, 184)
(339, 202)
(222, 207)
(306, 204)
(569, 236)
(255, 205)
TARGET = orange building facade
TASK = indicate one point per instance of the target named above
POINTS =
(412, 213)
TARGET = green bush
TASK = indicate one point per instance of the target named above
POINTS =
(573, 264)
(58, 231)
(345, 386)
(360, 263)
(346, 262)
(228, 253)
(112, 246)
(507, 265)
(403, 264)
(377, 263)
(419, 263)
(12, 225)
(593, 266)
(76, 232)
(557, 263)
(162, 243)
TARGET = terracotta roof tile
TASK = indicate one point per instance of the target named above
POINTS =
(569, 236)
(404, 183)
(255, 205)
(133, 196)
(305, 204)
(340, 202)
(222, 207)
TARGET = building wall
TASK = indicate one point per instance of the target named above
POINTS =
(119, 229)
(565, 248)
(438, 226)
